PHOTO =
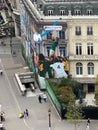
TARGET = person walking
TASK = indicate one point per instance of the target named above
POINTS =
(88, 124)
(26, 113)
(1, 71)
(40, 99)
(44, 96)
(87, 127)
(88, 121)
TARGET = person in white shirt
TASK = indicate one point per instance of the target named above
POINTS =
(1, 125)
(44, 97)
(87, 127)
(59, 70)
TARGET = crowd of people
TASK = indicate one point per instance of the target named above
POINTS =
(55, 67)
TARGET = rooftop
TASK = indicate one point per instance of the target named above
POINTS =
(70, 0)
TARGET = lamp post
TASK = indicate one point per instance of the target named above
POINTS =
(49, 114)
(0, 112)
(10, 21)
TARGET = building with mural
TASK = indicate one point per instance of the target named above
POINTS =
(78, 37)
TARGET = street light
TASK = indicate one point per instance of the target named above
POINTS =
(11, 31)
(0, 112)
(10, 21)
(49, 114)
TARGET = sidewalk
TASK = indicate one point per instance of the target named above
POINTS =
(90, 99)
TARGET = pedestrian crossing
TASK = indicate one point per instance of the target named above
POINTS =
(32, 94)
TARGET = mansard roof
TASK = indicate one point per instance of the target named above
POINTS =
(70, 0)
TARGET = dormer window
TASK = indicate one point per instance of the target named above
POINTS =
(62, 12)
(89, 12)
(50, 12)
(77, 12)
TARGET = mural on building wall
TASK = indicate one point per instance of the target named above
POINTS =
(37, 37)
(48, 31)
(23, 28)
(55, 66)
(52, 67)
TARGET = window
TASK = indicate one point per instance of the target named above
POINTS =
(79, 69)
(62, 12)
(62, 51)
(48, 51)
(50, 12)
(78, 49)
(89, 30)
(89, 11)
(77, 12)
(78, 30)
(90, 48)
(61, 34)
(90, 67)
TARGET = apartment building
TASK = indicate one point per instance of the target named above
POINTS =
(78, 37)
(14, 13)
(82, 51)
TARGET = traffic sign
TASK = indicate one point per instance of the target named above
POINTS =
(53, 27)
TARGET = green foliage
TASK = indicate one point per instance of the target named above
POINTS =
(65, 94)
(54, 86)
(71, 83)
(97, 80)
(96, 90)
(74, 113)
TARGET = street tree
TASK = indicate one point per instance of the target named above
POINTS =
(96, 90)
(74, 113)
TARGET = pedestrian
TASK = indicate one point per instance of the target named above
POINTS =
(88, 121)
(44, 96)
(1, 126)
(2, 116)
(87, 127)
(1, 72)
(40, 99)
(26, 113)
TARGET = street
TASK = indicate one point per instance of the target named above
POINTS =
(12, 102)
